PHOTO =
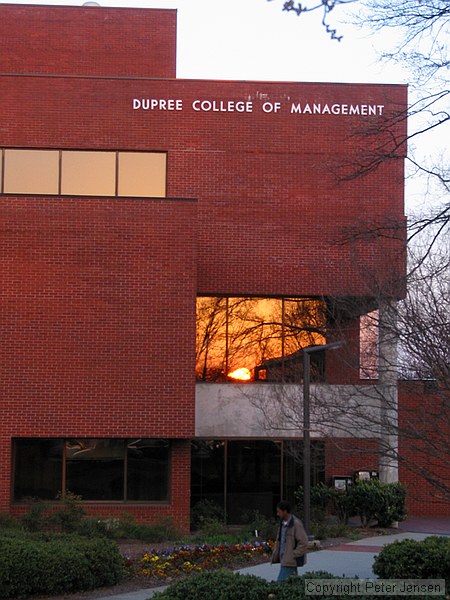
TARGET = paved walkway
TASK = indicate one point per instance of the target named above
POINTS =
(430, 525)
(347, 560)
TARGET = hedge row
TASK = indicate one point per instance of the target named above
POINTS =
(234, 586)
(56, 564)
(372, 501)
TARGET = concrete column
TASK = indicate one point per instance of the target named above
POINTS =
(387, 366)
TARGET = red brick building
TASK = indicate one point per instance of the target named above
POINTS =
(130, 200)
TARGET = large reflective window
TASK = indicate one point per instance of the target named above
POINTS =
(31, 172)
(142, 174)
(147, 470)
(95, 468)
(246, 339)
(88, 173)
(37, 468)
(246, 475)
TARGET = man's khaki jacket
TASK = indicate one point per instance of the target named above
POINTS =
(296, 544)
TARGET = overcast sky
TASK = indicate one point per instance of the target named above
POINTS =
(255, 39)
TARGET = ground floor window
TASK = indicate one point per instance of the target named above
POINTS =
(96, 469)
(245, 475)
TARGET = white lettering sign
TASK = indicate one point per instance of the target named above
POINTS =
(247, 106)
(157, 104)
(337, 109)
(222, 106)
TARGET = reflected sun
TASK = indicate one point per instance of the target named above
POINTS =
(243, 374)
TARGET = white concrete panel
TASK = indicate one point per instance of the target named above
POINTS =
(276, 410)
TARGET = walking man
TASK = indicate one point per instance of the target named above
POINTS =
(291, 543)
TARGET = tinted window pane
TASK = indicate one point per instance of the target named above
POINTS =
(31, 171)
(88, 173)
(368, 345)
(142, 174)
(38, 469)
(254, 478)
(148, 470)
(254, 335)
(95, 468)
(293, 466)
(207, 471)
(211, 339)
(304, 325)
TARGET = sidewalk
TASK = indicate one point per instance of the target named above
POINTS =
(347, 560)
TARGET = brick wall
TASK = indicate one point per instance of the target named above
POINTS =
(344, 456)
(91, 41)
(98, 300)
(424, 423)
(98, 319)
(272, 216)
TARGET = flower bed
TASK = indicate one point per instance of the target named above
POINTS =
(171, 563)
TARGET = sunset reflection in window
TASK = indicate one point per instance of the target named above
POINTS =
(248, 339)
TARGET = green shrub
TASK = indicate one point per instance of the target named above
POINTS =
(8, 522)
(373, 501)
(427, 559)
(212, 528)
(36, 519)
(393, 507)
(343, 505)
(205, 510)
(323, 532)
(223, 585)
(377, 501)
(234, 586)
(69, 515)
(128, 527)
(59, 564)
(94, 528)
(367, 497)
(220, 585)
(294, 588)
(227, 537)
(253, 521)
(321, 495)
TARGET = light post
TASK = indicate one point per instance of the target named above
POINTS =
(307, 430)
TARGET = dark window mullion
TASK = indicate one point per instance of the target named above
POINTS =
(59, 189)
(64, 476)
(125, 471)
(117, 176)
(3, 170)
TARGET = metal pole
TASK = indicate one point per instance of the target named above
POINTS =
(306, 445)
(307, 430)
